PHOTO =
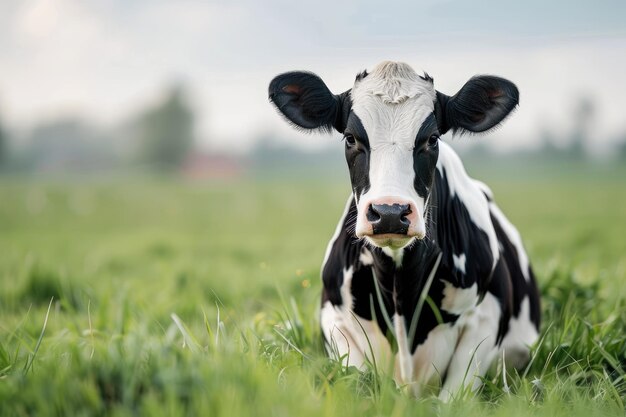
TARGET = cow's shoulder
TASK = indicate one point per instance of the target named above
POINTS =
(464, 229)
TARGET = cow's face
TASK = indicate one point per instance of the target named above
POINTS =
(391, 120)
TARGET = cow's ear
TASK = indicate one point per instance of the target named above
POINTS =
(482, 103)
(305, 101)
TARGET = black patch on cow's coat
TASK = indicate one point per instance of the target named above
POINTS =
(501, 288)
(358, 156)
(400, 288)
(455, 233)
(534, 299)
(410, 279)
(369, 302)
(481, 104)
(425, 156)
(343, 254)
(520, 288)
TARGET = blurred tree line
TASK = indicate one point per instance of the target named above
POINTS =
(159, 138)
(156, 139)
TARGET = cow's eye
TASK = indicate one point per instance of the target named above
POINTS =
(350, 140)
(433, 140)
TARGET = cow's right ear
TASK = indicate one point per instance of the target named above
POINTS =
(306, 102)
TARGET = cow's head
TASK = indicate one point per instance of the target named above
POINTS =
(392, 120)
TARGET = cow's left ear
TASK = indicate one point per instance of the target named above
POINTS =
(482, 103)
(304, 100)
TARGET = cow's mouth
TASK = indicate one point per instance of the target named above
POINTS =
(390, 240)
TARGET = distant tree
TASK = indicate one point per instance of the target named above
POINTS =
(621, 148)
(3, 146)
(549, 148)
(583, 116)
(166, 132)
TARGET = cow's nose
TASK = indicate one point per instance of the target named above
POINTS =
(389, 218)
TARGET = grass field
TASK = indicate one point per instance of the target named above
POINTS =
(166, 298)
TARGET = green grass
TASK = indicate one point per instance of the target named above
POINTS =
(202, 299)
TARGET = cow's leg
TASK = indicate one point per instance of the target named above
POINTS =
(339, 337)
(476, 349)
(353, 339)
(522, 334)
(428, 364)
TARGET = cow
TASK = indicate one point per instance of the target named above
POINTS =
(424, 278)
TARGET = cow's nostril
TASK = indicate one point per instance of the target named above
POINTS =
(373, 216)
(406, 210)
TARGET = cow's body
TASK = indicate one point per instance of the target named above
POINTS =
(422, 256)
(483, 299)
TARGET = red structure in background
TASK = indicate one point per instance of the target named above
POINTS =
(205, 166)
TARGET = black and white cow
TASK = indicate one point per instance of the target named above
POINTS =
(422, 252)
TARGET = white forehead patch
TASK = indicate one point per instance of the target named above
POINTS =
(394, 83)
(392, 102)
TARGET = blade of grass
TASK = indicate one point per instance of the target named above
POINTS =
(31, 359)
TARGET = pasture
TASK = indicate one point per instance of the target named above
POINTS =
(173, 298)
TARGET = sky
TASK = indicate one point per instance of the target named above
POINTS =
(103, 60)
